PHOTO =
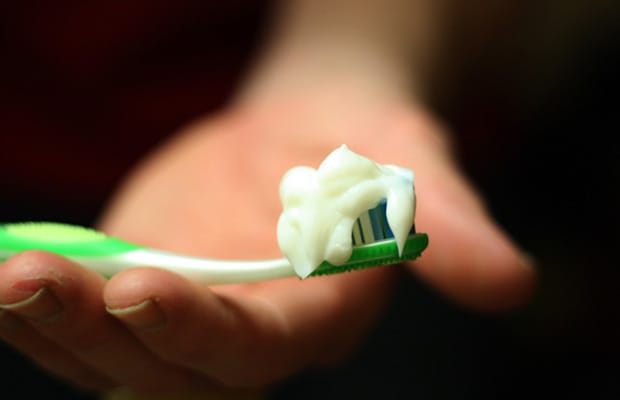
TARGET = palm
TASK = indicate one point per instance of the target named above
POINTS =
(215, 194)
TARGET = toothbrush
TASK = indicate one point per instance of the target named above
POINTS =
(373, 246)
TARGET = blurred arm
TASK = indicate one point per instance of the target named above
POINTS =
(377, 47)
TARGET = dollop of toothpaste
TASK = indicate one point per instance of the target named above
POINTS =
(321, 205)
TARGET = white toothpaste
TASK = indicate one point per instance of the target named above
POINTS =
(321, 205)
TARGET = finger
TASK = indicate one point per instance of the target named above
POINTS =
(19, 335)
(241, 336)
(469, 258)
(62, 302)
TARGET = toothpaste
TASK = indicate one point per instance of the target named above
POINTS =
(320, 207)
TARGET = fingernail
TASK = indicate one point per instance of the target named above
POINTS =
(146, 316)
(42, 306)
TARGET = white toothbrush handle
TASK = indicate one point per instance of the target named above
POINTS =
(209, 271)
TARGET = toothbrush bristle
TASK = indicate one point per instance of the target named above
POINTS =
(375, 254)
(372, 226)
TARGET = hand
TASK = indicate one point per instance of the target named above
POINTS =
(213, 191)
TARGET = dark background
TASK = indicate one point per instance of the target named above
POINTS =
(533, 109)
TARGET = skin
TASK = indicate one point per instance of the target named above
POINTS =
(212, 190)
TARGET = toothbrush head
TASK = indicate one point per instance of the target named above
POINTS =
(374, 244)
(384, 252)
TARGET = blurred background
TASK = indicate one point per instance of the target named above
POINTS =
(529, 91)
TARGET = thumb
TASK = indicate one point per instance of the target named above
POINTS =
(470, 258)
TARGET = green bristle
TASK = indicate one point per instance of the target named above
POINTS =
(377, 254)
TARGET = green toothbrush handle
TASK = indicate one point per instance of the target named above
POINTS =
(62, 239)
